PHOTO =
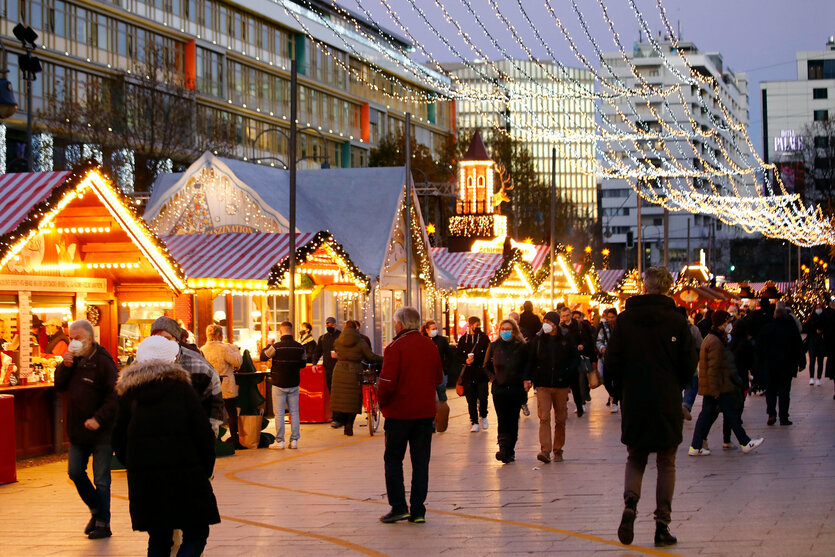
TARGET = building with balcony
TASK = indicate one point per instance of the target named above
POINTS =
(235, 57)
(691, 108)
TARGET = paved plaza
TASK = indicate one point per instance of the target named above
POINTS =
(324, 499)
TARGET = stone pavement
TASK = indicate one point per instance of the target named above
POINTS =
(324, 499)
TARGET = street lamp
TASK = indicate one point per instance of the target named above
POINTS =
(30, 67)
(8, 104)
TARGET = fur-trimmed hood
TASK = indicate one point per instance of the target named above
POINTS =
(144, 372)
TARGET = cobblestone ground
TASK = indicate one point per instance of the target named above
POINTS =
(324, 499)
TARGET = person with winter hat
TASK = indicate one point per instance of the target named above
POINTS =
(167, 445)
(56, 340)
(718, 386)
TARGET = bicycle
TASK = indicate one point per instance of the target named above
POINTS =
(370, 403)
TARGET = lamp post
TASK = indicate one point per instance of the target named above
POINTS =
(8, 104)
(30, 66)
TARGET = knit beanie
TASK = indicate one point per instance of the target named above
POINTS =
(553, 317)
(168, 325)
(719, 318)
(157, 347)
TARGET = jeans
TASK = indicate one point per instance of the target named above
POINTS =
(711, 406)
(441, 390)
(290, 396)
(194, 541)
(418, 435)
(476, 394)
(817, 352)
(636, 463)
(547, 398)
(690, 392)
(96, 498)
(726, 425)
(507, 400)
(231, 405)
(778, 388)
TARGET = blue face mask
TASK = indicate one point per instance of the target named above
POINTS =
(506, 335)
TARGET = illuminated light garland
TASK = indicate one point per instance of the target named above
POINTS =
(149, 304)
(629, 283)
(83, 230)
(334, 250)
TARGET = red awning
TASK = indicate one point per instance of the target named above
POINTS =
(471, 270)
(231, 256)
(21, 191)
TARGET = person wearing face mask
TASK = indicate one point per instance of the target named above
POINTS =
(324, 349)
(814, 329)
(308, 342)
(552, 365)
(505, 363)
(88, 374)
(720, 387)
(430, 329)
(570, 328)
(472, 347)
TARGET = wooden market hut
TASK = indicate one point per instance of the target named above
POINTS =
(72, 247)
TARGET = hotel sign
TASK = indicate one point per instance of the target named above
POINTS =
(788, 142)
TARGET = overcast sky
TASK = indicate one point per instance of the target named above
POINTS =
(759, 37)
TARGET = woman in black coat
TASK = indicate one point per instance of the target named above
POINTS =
(506, 365)
(164, 438)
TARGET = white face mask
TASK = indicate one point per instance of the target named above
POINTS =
(75, 347)
(728, 328)
(433, 333)
(819, 311)
(547, 328)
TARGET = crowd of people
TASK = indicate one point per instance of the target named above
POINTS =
(161, 414)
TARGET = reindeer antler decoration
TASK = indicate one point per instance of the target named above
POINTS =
(506, 186)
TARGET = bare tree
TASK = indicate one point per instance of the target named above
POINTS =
(818, 152)
(149, 111)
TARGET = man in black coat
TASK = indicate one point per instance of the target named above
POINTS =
(289, 358)
(780, 349)
(472, 348)
(529, 322)
(650, 358)
(324, 347)
(88, 374)
(571, 330)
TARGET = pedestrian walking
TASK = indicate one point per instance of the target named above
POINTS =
(87, 373)
(604, 333)
(472, 347)
(720, 387)
(346, 396)
(529, 322)
(288, 359)
(430, 329)
(552, 364)
(324, 351)
(742, 347)
(650, 358)
(815, 343)
(781, 351)
(692, 388)
(570, 328)
(506, 365)
(226, 359)
(406, 390)
(166, 442)
(308, 342)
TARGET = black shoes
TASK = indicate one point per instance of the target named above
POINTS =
(100, 532)
(349, 429)
(417, 519)
(786, 422)
(335, 424)
(663, 536)
(391, 517)
(771, 420)
(90, 525)
(626, 530)
(505, 457)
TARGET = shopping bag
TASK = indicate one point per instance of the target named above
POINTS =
(249, 431)
(441, 416)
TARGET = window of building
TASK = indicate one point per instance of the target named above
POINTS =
(821, 69)
(821, 115)
(820, 93)
(821, 142)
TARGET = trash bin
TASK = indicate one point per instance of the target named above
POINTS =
(8, 446)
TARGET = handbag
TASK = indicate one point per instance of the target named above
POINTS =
(441, 416)
(593, 375)
(459, 385)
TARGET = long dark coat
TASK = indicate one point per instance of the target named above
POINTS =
(780, 349)
(346, 389)
(164, 438)
(650, 358)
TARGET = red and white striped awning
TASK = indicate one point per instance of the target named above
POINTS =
(21, 191)
(783, 287)
(236, 256)
(609, 278)
(471, 270)
(539, 258)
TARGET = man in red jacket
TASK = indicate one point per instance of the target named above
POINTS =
(406, 390)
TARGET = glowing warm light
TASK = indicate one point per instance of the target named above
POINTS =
(430, 228)
(588, 249)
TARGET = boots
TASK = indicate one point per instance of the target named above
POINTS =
(626, 531)
(506, 453)
(663, 535)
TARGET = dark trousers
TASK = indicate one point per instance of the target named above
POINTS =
(507, 400)
(726, 425)
(160, 542)
(711, 406)
(476, 394)
(577, 391)
(96, 498)
(779, 388)
(636, 463)
(231, 405)
(418, 435)
(817, 352)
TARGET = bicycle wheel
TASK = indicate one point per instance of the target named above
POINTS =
(373, 411)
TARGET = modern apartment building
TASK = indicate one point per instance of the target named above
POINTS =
(798, 126)
(552, 101)
(682, 109)
(236, 57)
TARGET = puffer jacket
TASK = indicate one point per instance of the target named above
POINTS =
(716, 366)
(346, 389)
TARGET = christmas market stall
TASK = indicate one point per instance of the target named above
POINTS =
(71, 247)
(351, 250)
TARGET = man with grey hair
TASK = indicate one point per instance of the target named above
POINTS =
(88, 374)
(649, 360)
(406, 390)
(781, 352)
